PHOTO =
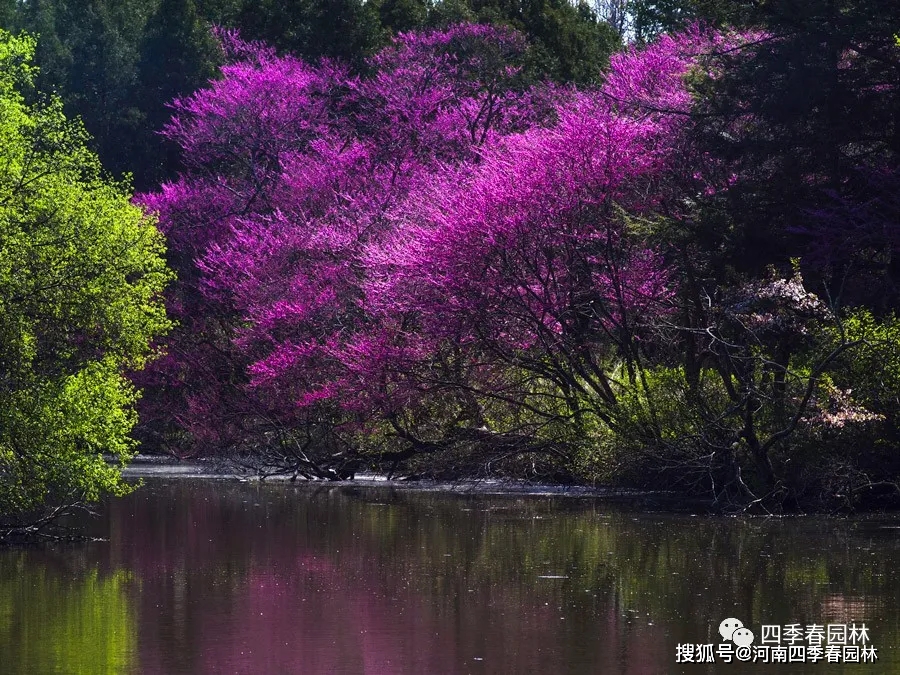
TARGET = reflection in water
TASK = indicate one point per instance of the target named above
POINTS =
(55, 619)
(221, 577)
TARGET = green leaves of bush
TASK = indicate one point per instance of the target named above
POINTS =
(81, 277)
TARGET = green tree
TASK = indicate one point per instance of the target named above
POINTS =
(7, 11)
(89, 53)
(649, 18)
(179, 55)
(116, 64)
(348, 30)
(578, 43)
(570, 43)
(81, 277)
(402, 15)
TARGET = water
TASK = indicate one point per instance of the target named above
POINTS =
(226, 577)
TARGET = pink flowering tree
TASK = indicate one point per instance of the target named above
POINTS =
(292, 171)
(237, 135)
(437, 255)
(517, 282)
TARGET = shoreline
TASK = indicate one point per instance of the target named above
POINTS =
(165, 467)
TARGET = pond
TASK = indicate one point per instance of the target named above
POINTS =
(217, 576)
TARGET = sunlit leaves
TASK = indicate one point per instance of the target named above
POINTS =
(81, 277)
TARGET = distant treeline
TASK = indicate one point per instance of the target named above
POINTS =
(118, 63)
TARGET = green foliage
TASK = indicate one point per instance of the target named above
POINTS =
(89, 54)
(399, 16)
(866, 435)
(348, 30)
(570, 43)
(661, 431)
(449, 12)
(178, 56)
(81, 273)
(710, 436)
(872, 369)
(577, 44)
(652, 17)
(116, 65)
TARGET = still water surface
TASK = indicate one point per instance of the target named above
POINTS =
(226, 577)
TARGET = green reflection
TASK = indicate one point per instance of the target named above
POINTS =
(51, 622)
(673, 577)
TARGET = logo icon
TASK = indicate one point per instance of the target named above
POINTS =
(733, 630)
(742, 637)
(728, 626)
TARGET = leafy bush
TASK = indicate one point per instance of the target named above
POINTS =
(81, 274)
